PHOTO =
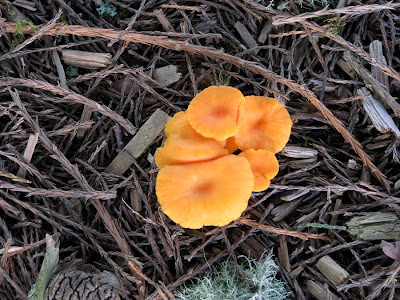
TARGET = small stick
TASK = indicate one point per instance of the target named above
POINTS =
(28, 153)
(331, 270)
(271, 229)
(139, 143)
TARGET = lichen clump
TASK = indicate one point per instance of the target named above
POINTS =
(224, 282)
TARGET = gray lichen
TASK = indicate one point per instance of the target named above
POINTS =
(224, 282)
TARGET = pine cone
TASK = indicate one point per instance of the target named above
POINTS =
(78, 285)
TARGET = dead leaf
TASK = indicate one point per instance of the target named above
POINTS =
(393, 251)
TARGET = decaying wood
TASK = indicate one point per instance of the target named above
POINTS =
(374, 226)
(85, 59)
(320, 291)
(139, 143)
(331, 270)
(382, 121)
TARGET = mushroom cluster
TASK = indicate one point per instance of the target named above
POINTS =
(201, 181)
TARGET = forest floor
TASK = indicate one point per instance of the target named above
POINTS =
(336, 68)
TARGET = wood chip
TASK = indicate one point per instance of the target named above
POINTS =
(376, 51)
(331, 270)
(167, 75)
(334, 218)
(139, 143)
(378, 89)
(283, 254)
(264, 32)
(299, 152)
(374, 226)
(28, 153)
(319, 291)
(246, 36)
(85, 59)
(382, 121)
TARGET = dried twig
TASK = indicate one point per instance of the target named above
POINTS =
(271, 229)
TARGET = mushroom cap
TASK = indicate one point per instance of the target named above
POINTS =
(213, 112)
(185, 145)
(212, 193)
(264, 166)
(264, 123)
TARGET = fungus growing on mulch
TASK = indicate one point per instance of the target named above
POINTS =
(201, 183)
(264, 123)
(185, 145)
(213, 112)
(206, 193)
(264, 165)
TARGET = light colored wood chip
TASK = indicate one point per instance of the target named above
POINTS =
(374, 226)
(320, 291)
(382, 121)
(246, 36)
(86, 60)
(28, 152)
(139, 143)
(299, 152)
(376, 51)
(167, 75)
(331, 270)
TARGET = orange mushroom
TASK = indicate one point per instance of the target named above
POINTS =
(264, 123)
(231, 145)
(264, 166)
(207, 193)
(185, 145)
(213, 112)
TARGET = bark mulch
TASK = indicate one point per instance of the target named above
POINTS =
(61, 127)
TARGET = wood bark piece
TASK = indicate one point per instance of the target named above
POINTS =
(376, 51)
(331, 270)
(283, 254)
(246, 36)
(139, 143)
(85, 59)
(374, 226)
(167, 75)
(382, 121)
(380, 91)
(319, 291)
(299, 152)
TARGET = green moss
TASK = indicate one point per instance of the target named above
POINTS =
(224, 282)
